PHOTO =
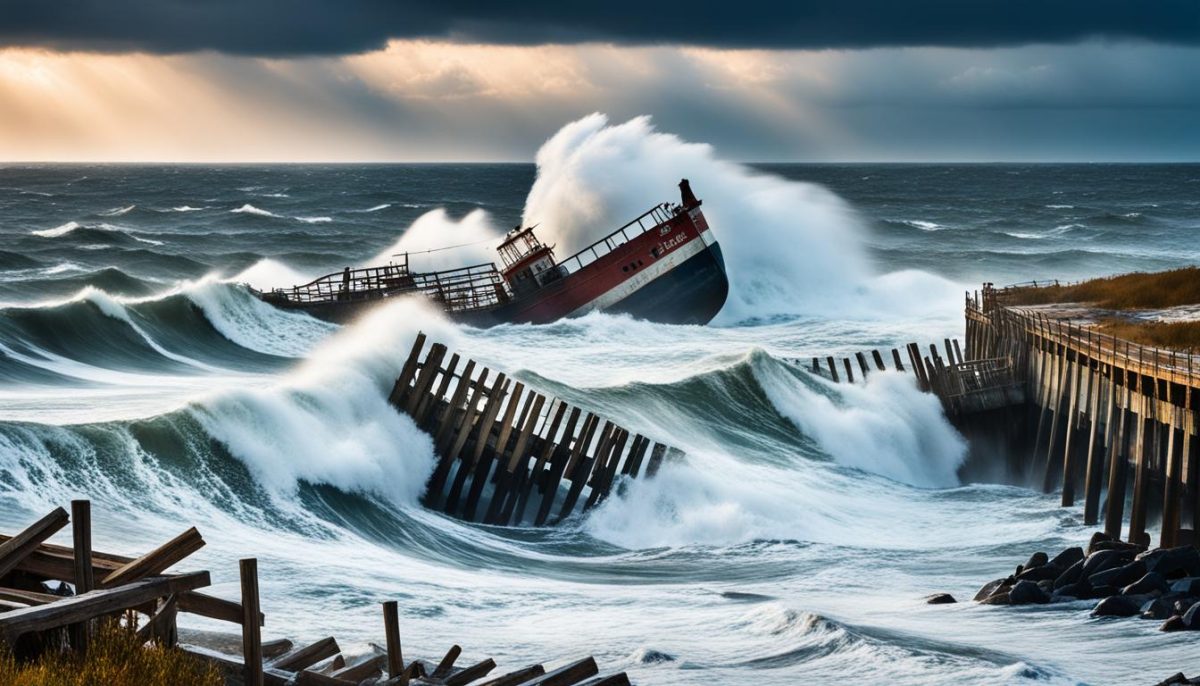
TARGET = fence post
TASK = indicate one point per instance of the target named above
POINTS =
(251, 635)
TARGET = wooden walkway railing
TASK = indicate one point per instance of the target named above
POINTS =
(508, 455)
(1103, 406)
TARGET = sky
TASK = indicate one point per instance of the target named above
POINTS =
(395, 80)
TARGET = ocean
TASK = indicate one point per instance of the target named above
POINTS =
(794, 544)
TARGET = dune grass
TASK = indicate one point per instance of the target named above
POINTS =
(115, 658)
(1134, 291)
(1183, 336)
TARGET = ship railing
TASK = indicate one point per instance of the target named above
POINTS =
(650, 219)
(472, 287)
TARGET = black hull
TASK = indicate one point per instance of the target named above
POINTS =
(692, 293)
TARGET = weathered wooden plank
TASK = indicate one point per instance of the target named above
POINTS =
(862, 363)
(600, 489)
(579, 467)
(214, 608)
(878, 361)
(833, 374)
(849, 370)
(1095, 469)
(233, 670)
(558, 464)
(17, 548)
(433, 492)
(28, 598)
(567, 675)
(252, 659)
(656, 458)
(391, 630)
(485, 455)
(75, 609)
(475, 671)
(156, 561)
(482, 430)
(618, 679)
(896, 360)
(303, 658)
(447, 664)
(84, 576)
(430, 368)
(400, 388)
(515, 678)
(307, 678)
(427, 406)
(161, 626)
(446, 423)
(363, 669)
(515, 471)
(535, 475)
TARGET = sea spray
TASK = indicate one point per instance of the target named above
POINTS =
(789, 247)
(436, 241)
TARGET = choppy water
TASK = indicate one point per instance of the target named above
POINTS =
(794, 544)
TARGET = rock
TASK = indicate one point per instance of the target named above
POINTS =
(1116, 606)
(1045, 572)
(1074, 573)
(1000, 598)
(1149, 583)
(940, 599)
(1066, 558)
(1104, 591)
(1046, 585)
(1129, 548)
(1102, 560)
(1181, 605)
(1027, 592)
(988, 589)
(1187, 586)
(1191, 618)
(1168, 562)
(1037, 560)
(1118, 576)
(1079, 590)
(648, 656)
(1173, 623)
(1155, 608)
(1097, 538)
(1176, 678)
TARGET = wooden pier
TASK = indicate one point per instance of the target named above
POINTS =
(508, 455)
(1111, 417)
(140, 596)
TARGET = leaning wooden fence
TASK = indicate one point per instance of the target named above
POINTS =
(508, 455)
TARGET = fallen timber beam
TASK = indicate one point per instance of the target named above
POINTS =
(15, 549)
(303, 658)
(568, 674)
(156, 561)
(93, 604)
(520, 676)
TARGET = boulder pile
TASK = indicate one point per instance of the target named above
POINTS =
(1128, 581)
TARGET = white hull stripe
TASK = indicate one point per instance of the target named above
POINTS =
(636, 282)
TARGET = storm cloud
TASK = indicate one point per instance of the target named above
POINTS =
(334, 27)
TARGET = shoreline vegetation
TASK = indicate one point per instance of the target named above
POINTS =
(1118, 298)
(115, 657)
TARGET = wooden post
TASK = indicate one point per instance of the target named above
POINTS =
(85, 580)
(391, 629)
(400, 388)
(558, 463)
(832, 369)
(1172, 482)
(549, 445)
(446, 424)
(1117, 467)
(849, 371)
(878, 361)
(251, 636)
(896, 360)
(1093, 480)
(1137, 510)
(958, 351)
(862, 363)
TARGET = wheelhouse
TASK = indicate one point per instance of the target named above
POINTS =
(528, 263)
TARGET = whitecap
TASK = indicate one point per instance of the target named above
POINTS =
(315, 220)
(118, 211)
(251, 209)
(57, 231)
(376, 208)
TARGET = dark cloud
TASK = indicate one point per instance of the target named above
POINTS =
(323, 27)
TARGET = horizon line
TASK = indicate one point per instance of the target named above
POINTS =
(198, 163)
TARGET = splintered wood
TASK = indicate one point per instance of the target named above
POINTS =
(508, 455)
(139, 592)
